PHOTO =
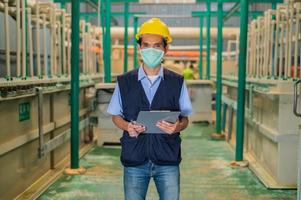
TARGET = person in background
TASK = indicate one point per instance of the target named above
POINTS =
(150, 87)
(188, 73)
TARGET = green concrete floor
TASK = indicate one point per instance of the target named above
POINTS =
(205, 174)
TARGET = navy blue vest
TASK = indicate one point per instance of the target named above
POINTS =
(161, 149)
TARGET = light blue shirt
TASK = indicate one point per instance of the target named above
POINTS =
(115, 106)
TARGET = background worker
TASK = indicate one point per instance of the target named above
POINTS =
(188, 73)
(151, 87)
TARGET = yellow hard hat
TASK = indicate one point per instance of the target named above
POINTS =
(154, 26)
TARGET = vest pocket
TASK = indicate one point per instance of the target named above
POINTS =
(133, 150)
(167, 148)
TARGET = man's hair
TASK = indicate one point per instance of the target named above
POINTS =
(163, 39)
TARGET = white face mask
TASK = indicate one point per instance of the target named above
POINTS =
(152, 57)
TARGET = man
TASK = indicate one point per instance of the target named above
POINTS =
(188, 73)
(151, 87)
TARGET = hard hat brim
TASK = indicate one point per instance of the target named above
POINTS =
(168, 39)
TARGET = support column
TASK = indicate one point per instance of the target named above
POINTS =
(135, 43)
(125, 38)
(75, 85)
(108, 42)
(208, 39)
(74, 168)
(102, 19)
(201, 19)
(240, 119)
(218, 99)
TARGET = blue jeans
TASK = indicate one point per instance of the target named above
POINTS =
(166, 178)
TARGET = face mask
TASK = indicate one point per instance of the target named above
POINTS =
(152, 57)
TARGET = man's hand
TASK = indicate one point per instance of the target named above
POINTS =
(167, 127)
(170, 128)
(135, 129)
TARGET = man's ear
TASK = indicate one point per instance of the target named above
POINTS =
(138, 47)
(166, 49)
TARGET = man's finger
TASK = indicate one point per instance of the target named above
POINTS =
(140, 129)
(137, 127)
(165, 128)
(167, 123)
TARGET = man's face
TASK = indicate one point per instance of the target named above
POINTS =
(152, 41)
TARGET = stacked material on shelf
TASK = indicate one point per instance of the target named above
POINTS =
(274, 43)
(43, 38)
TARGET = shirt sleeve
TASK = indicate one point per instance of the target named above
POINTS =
(185, 103)
(115, 105)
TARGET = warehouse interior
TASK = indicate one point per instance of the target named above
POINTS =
(59, 61)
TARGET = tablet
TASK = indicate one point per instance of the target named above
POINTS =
(150, 118)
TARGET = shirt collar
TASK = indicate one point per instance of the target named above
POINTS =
(142, 75)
